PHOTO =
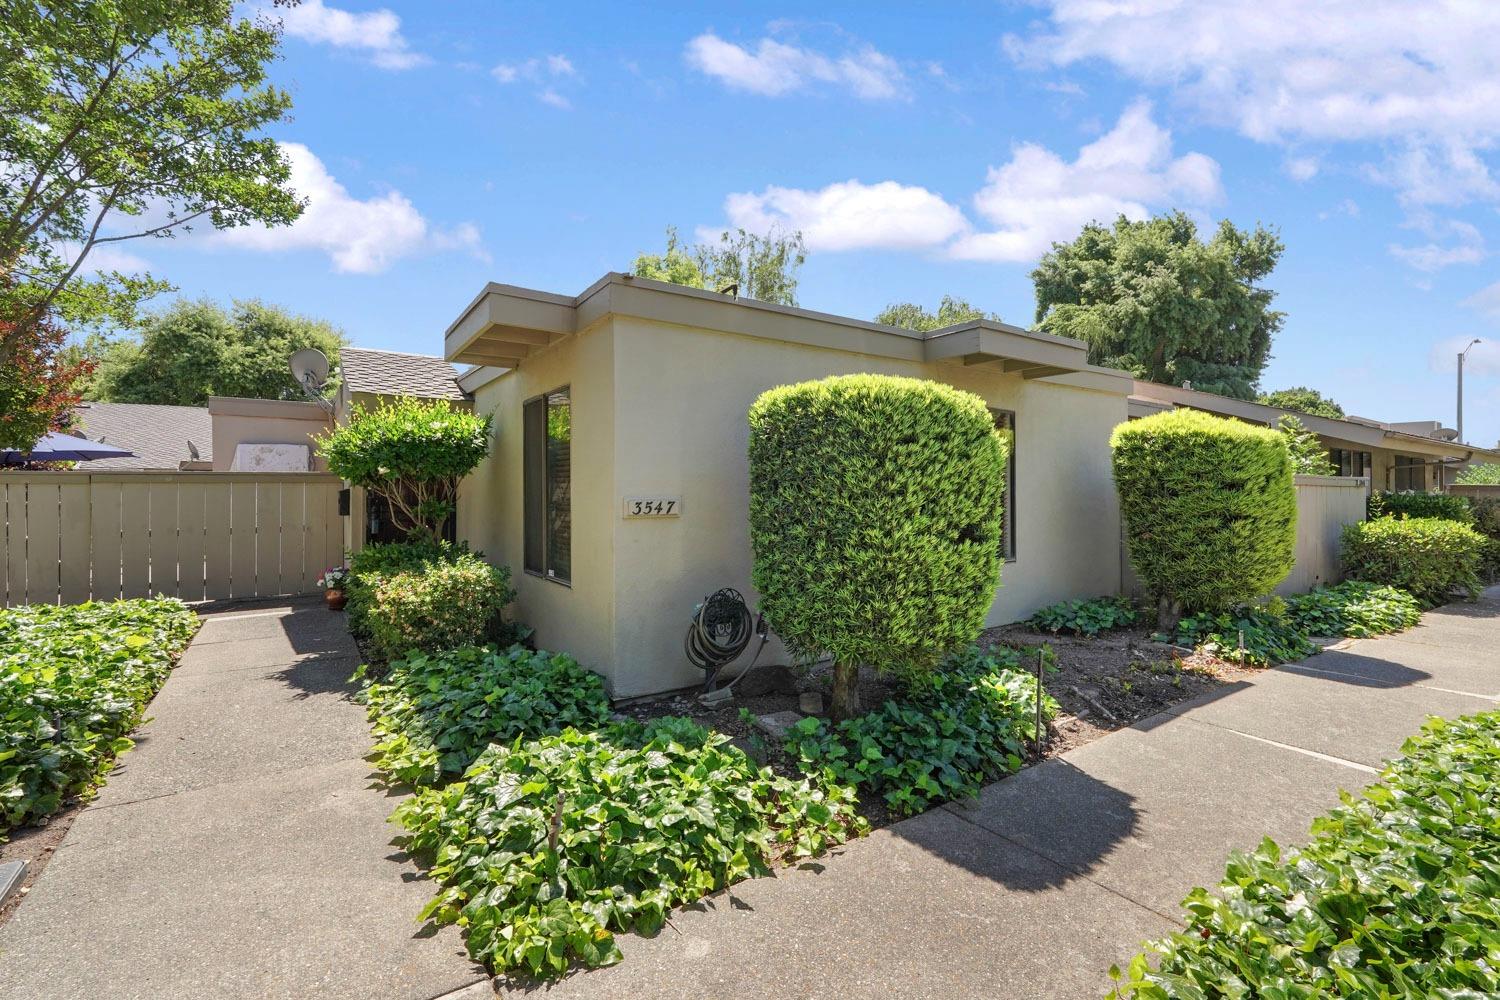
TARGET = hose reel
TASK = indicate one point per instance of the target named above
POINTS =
(720, 631)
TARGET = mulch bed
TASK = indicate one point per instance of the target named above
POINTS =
(35, 845)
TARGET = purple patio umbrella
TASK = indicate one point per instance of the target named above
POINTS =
(57, 447)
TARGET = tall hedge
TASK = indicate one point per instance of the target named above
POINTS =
(1210, 509)
(1431, 557)
(875, 519)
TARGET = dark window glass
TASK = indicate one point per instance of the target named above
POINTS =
(1409, 473)
(559, 486)
(1005, 421)
(534, 481)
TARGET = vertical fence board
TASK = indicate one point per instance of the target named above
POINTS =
(319, 528)
(104, 540)
(77, 559)
(190, 551)
(242, 541)
(15, 549)
(217, 541)
(43, 543)
(164, 517)
(5, 533)
(268, 539)
(135, 539)
(295, 575)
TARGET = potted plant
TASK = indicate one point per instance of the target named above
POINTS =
(332, 581)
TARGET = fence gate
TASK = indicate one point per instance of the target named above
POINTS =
(67, 537)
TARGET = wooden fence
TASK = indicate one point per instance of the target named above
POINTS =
(72, 536)
(1324, 505)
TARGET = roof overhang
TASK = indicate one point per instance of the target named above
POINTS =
(1008, 349)
(505, 324)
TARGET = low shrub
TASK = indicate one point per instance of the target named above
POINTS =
(1354, 609)
(1413, 503)
(1429, 557)
(74, 680)
(433, 714)
(378, 560)
(444, 605)
(1270, 637)
(1487, 523)
(1396, 896)
(548, 848)
(947, 733)
(1086, 617)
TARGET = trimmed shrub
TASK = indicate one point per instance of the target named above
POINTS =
(1409, 503)
(548, 848)
(946, 734)
(1396, 896)
(413, 453)
(1429, 557)
(1210, 509)
(1085, 617)
(434, 714)
(1354, 609)
(442, 606)
(377, 560)
(1487, 523)
(875, 520)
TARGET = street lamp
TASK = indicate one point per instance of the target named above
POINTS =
(1461, 355)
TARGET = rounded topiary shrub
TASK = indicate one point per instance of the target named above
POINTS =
(1210, 509)
(875, 520)
(1430, 557)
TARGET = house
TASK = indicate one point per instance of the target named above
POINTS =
(1420, 455)
(169, 438)
(617, 487)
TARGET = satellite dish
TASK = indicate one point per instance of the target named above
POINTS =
(310, 369)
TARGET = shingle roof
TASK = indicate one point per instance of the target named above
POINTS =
(158, 435)
(391, 373)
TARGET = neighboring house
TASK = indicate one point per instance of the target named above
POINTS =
(169, 438)
(637, 390)
(1420, 455)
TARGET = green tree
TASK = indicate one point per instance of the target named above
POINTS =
(951, 311)
(1309, 457)
(1154, 299)
(195, 349)
(121, 120)
(1483, 474)
(758, 267)
(1303, 400)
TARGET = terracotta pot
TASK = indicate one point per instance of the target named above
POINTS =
(335, 598)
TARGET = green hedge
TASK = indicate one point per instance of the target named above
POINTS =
(1210, 508)
(381, 559)
(74, 681)
(1396, 896)
(440, 607)
(1408, 503)
(875, 517)
(1427, 556)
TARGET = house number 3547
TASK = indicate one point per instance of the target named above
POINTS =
(652, 506)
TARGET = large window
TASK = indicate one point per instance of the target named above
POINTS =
(1005, 422)
(1350, 463)
(547, 482)
(1409, 474)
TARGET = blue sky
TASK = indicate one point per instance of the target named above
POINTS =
(922, 152)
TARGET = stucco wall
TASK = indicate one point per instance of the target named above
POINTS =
(578, 619)
(264, 421)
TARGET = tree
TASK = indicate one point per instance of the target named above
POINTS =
(1309, 457)
(951, 311)
(1303, 400)
(38, 388)
(195, 349)
(875, 521)
(122, 120)
(1152, 298)
(1483, 474)
(757, 267)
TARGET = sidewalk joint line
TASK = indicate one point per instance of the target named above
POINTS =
(1330, 758)
(1377, 682)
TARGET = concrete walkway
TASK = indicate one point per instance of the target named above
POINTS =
(240, 850)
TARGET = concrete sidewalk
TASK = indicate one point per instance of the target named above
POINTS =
(240, 849)
(1055, 873)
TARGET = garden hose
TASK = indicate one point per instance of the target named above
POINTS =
(719, 632)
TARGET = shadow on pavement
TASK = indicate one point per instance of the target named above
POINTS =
(321, 674)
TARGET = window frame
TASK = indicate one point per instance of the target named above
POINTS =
(536, 508)
(1005, 420)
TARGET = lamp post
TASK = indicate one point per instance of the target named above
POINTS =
(1461, 355)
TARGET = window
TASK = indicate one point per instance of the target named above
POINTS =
(1350, 463)
(1005, 423)
(547, 485)
(1409, 474)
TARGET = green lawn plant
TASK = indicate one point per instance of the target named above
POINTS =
(875, 521)
(1270, 637)
(434, 713)
(1210, 509)
(1431, 558)
(943, 736)
(1396, 897)
(549, 847)
(1086, 617)
(1354, 609)
(74, 681)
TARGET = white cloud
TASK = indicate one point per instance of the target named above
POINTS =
(851, 215)
(1486, 300)
(544, 73)
(1303, 168)
(104, 259)
(1348, 207)
(359, 236)
(1030, 202)
(775, 68)
(1387, 71)
(1466, 246)
(1483, 358)
(556, 100)
(1038, 198)
(376, 32)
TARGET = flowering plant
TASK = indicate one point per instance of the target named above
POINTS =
(333, 578)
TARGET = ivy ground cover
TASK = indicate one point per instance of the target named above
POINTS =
(74, 681)
(1397, 896)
